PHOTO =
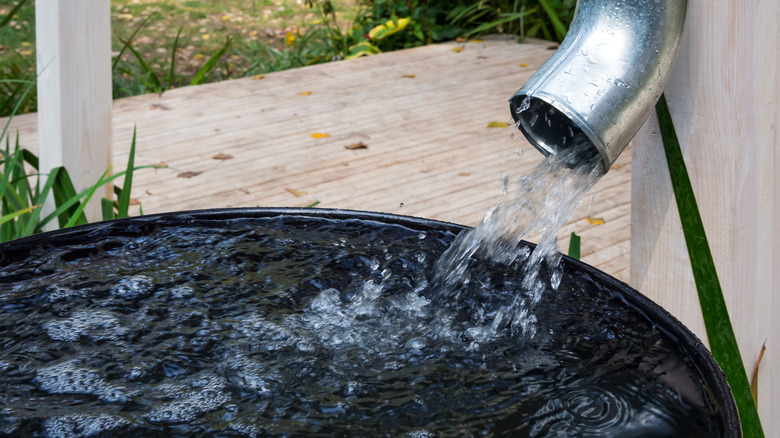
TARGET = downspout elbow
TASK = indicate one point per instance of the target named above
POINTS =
(602, 83)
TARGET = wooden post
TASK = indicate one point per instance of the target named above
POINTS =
(723, 95)
(73, 39)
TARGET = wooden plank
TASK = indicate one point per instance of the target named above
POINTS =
(73, 39)
(429, 146)
(723, 95)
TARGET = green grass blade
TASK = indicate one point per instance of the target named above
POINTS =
(720, 333)
(173, 59)
(124, 197)
(88, 193)
(129, 40)
(574, 246)
(155, 81)
(496, 23)
(209, 64)
(107, 209)
(34, 225)
(560, 29)
(63, 190)
(14, 215)
(7, 19)
(16, 108)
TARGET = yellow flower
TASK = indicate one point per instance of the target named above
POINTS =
(290, 38)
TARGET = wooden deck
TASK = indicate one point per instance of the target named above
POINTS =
(422, 113)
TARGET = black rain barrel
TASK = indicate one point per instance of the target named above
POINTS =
(315, 322)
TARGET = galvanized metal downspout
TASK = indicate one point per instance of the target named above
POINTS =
(602, 83)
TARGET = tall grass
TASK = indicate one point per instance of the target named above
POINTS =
(23, 192)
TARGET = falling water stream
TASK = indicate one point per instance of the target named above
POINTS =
(309, 326)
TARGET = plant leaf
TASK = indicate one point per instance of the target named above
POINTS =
(574, 246)
(723, 342)
(497, 125)
(209, 64)
(124, 198)
(560, 29)
(149, 72)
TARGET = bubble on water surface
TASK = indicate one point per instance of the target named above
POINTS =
(96, 324)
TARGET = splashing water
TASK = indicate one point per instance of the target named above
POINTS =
(543, 202)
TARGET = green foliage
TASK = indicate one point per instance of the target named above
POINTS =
(140, 78)
(574, 246)
(23, 191)
(720, 334)
(16, 69)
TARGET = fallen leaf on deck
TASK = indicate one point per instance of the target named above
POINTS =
(553, 47)
(222, 156)
(358, 145)
(475, 41)
(460, 40)
(188, 174)
(305, 93)
(134, 201)
(464, 173)
(497, 125)
(523, 64)
(754, 380)
(319, 135)
(258, 77)
(296, 193)
(410, 76)
(482, 57)
(458, 49)
(595, 220)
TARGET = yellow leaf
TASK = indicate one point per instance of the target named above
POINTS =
(252, 33)
(296, 193)
(497, 125)
(319, 135)
(305, 93)
(258, 77)
(595, 220)
(205, 36)
(225, 17)
(290, 38)
(316, 22)
(523, 64)
(458, 49)
(199, 57)
(410, 76)
(475, 41)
